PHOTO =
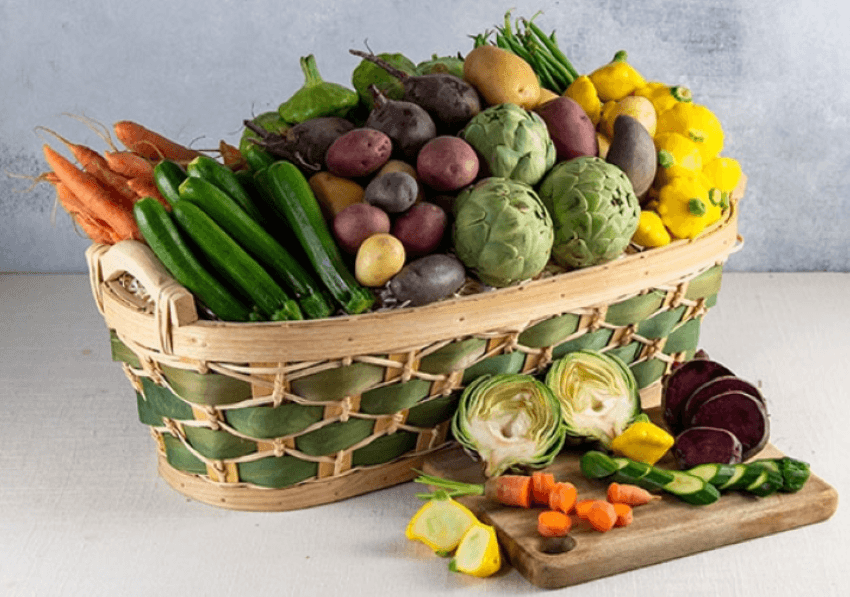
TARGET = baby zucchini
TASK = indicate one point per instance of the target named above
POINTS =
(288, 191)
(225, 179)
(246, 231)
(235, 263)
(167, 176)
(166, 242)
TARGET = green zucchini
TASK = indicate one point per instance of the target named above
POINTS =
(716, 474)
(290, 194)
(246, 231)
(738, 471)
(795, 473)
(632, 472)
(225, 179)
(235, 264)
(167, 176)
(656, 479)
(597, 465)
(745, 479)
(692, 489)
(768, 482)
(167, 243)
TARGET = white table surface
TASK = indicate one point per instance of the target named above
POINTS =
(83, 512)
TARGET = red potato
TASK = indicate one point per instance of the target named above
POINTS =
(447, 163)
(570, 127)
(358, 153)
(356, 223)
(421, 228)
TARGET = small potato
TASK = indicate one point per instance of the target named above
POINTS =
(447, 163)
(633, 151)
(402, 166)
(570, 127)
(356, 223)
(428, 279)
(334, 193)
(358, 153)
(393, 192)
(421, 228)
(379, 258)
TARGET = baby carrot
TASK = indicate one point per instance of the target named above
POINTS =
(147, 188)
(551, 523)
(541, 485)
(624, 514)
(563, 496)
(98, 202)
(629, 494)
(602, 516)
(150, 144)
(129, 164)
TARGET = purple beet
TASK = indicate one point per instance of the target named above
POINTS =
(682, 382)
(715, 387)
(701, 445)
(737, 412)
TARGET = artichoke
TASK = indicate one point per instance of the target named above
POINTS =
(598, 395)
(594, 209)
(502, 232)
(513, 142)
(509, 421)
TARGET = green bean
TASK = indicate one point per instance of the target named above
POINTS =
(552, 47)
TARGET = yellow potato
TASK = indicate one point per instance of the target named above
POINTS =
(638, 107)
(379, 258)
(501, 77)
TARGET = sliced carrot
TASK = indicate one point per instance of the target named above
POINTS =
(563, 496)
(152, 145)
(552, 523)
(602, 516)
(510, 490)
(620, 493)
(541, 485)
(624, 514)
(98, 202)
(582, 508)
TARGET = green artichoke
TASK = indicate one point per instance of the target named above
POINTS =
(509, 421)
(594, 209)
(501, 231)
(513, 142)
(598, 394)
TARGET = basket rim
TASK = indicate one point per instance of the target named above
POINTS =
(173, 331)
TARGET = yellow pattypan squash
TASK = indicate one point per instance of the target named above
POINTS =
(617, 79)
(696, 122)
(582, 91)
(650, 230)
(685, 208)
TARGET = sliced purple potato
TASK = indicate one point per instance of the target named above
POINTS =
(715, 387)
(738, 412)
(681, 383)
(707, 445)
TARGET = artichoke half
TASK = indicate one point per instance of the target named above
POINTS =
(598, 395)
(513, 142)
(594, 210)
(509, 421)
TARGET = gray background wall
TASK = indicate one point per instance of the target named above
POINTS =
(776, 73)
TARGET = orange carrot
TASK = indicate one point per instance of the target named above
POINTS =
(95, 229)
(552, 523)
(147, 188)
(632, 495)
(541, 485)
(624, 514)
(129, 164)
(583, 507)
(563, 496)
(508, 490)
(602, 516)
(150, 144)
(99, 202)
(231, 156)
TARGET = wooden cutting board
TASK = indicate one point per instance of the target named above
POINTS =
(662, 530)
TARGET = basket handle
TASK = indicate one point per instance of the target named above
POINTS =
(174, 305)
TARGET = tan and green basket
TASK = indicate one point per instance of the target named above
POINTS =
(286, 415)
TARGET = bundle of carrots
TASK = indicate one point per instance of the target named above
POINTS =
(559, 499)
(99, 191)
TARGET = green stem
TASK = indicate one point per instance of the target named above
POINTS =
(311, 71)
(452, 488)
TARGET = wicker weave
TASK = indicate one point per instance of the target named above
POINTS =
(276, 416)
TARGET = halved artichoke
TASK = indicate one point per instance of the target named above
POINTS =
(509, 421)
(598, 395)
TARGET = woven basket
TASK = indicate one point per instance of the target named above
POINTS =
(285, 415)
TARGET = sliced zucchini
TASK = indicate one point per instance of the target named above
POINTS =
(692, 489)
(597, 465)
(714, 473)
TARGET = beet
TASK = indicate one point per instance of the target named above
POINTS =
(703, 445)
(714, 387)
(304, 144)
(738, 412)
(682, 382)
(408, 125)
